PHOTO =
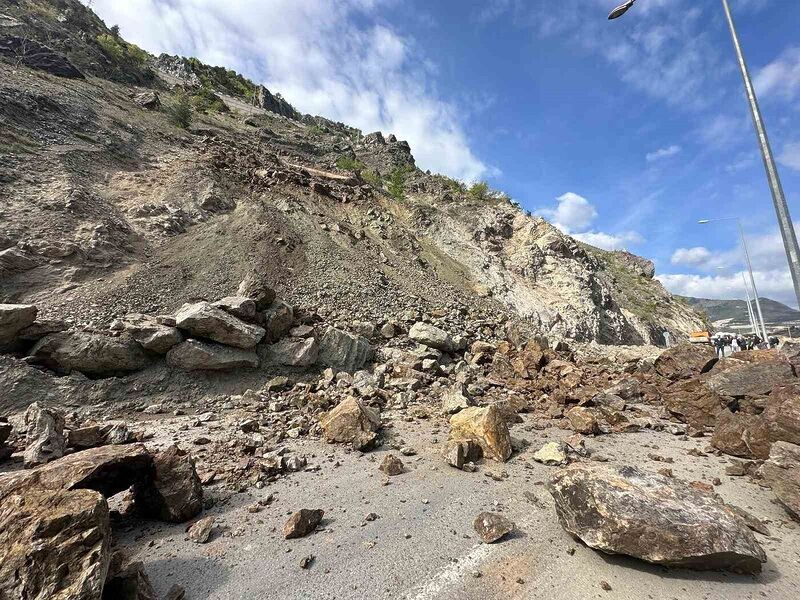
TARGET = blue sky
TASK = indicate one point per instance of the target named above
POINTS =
(624, 133)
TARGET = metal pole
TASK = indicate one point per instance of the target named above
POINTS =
(752, 281)
(778, 199)
(750, 314)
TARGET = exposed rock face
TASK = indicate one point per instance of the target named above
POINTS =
(294, 352)
(693, 403)
(486, 426)
(782, 473)
(301, 523)
(194, 355)
(351, 422)
(651, 517)
(151, 334)
(54, 544)
(265, 99)
(15, 260)
(13, 319)
(685, 360)
(44, 438)
(490, 527)
(90, 353)
(174, 493)
(204, 320)
(782, 414)
(35, 55)
(431, 336)
(740, 434)
(344, 351)
(750, 379)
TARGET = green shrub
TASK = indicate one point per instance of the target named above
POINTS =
(345, 163)
(479, 190)
(120, 51)
(205, 100)
(396, 185)
(220, 78)
(372, 178)
(180, 113)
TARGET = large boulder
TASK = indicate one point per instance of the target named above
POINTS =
(204, 320)
(582, 419)
(90, 353)
(486, 426)
(351, 422)
(623, 510)
(747, 379)
(129, 582)
(782, 473)
(694, 403)
(151, 334)
(54, 544)
(194, 355)
(174, 493)
(44, 435)
(344, 351)
(13, 319)
(741, 434)
(782, 414)
(278, 319)
(27, 51)
(294, 352)
(432, 336)
(685, 360)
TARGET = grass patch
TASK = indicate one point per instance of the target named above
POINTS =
(345, 163)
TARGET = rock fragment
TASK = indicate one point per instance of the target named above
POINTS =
(782, 473)
(174, 492)
(552, 454)
(351, 422)
(13, 319)
(485, 426)
(344, 351)
(391, 465)
(432, 336)
(491, 527)
(200, 531)
(202, 319)
(194, 355)
(44, 437)
(90, 353)
(301, 523)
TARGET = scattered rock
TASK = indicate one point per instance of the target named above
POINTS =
(238, 306)
(148, 100)
(740, 434)
(490, 526)
(782, 414)
(582, 419)
(552, 454)
(455, 399)
(301, 523)
(351, 422)
(459, 453)
(129, 583)
(44, 437)
(657, 519)
(431, 336)
(391, 465)
(151, 334)
(200, 530)
(27, 51)
(254, 287)
(750, 379)
(485, 426)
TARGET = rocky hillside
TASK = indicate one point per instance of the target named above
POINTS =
(109, 207)
(734, 312)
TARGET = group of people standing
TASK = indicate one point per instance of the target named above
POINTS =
(734, 343)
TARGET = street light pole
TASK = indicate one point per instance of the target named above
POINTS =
(747, 264)
(778, 199)
(749, 306)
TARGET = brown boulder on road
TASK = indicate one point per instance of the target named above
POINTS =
(623, 510)
(486, 426)
(685, 360)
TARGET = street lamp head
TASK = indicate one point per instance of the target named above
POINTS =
(703, 221)
(620, 10)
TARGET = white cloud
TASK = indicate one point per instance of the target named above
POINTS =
(336, 59)
(663, 153)
(790, 156)
(775, 284)
(699, 255)
(781, 77)
(609, 241)
(574, 214)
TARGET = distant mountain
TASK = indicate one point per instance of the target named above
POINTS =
(736, 310)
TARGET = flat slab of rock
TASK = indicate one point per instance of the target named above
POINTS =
(486, 426)
(151, 334)
(685, 360)
(91, 353)
(13, 319)
(623, 510)
(238, 306)
(750, 379)
(204, 320)
(294, 352)
(351, 422)
(344, 351)
(194, 355)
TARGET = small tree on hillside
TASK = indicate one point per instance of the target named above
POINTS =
(180, 113)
